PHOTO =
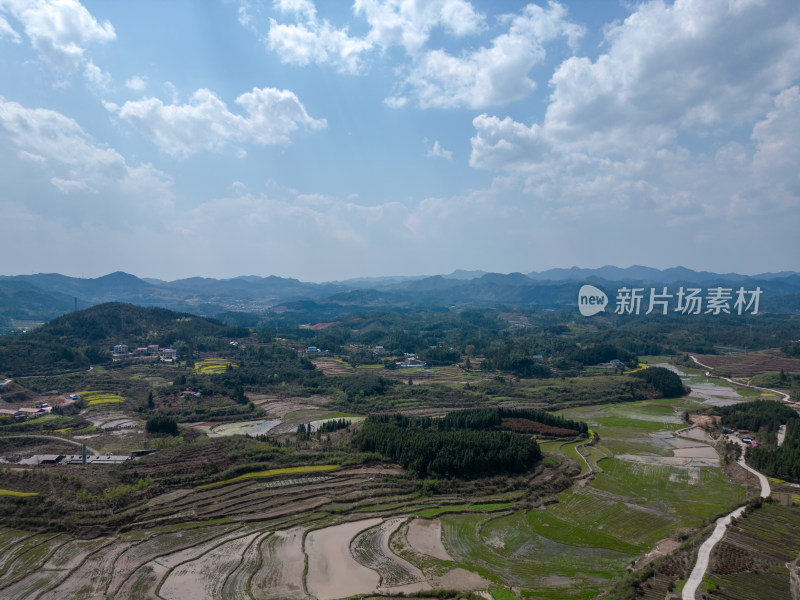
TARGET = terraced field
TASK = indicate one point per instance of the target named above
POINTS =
(754, 559)
(211, 366)
(98, 397)
(288, 532)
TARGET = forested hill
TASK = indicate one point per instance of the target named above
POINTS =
(78, 339)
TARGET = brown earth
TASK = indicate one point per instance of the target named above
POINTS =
(752, 363)
(528, 426)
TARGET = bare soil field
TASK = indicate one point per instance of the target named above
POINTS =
(752, 363)
(332, 570)
(425, 536)
(371, 549)
(332, 367)
(282, 562)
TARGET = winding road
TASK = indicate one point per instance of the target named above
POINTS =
(785, 397)
(704, 554)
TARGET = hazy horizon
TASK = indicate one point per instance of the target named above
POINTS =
(145, 276)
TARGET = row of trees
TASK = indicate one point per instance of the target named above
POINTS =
(491, 418)
(782, 462)
(756, 415)
(334, 425)
(462, 453)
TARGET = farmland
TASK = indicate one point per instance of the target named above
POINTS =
(212, 366)
(223, 535)
(97, 397)
(753, 363)
(252, 498)
(753, 560)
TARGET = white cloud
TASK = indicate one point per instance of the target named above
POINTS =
(409, 23)
(694, 65)
(777, 139)
(78, 163)
(316, 42)
(60, 30)
(306, 40)
(495, 74)
(32, 157)
(67, 186)
(395, 101)
(205, 123)
(438, 152)
(651, 123)
(136, 83)
(505, 144)
(97, 77)
(303, 8)
(492, 75)
(6, 31)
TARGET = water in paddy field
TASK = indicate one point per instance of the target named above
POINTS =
(715, 395)
(263, 427)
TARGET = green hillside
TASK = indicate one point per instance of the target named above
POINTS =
(76, 340)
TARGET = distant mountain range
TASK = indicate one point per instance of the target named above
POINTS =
(639, 273)
(42, 296)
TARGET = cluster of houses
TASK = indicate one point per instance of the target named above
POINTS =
(27, 413)
(83, 458)
(121, 351)
(743, 435)
(410, 361)
(314, 350)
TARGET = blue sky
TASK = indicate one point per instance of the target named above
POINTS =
(327, 140)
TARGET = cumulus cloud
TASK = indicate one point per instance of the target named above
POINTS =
(306, 39)
(505, 144)
(205, 123)
(495, 74)
(694, 64)
(491, 75)
(651, 123)
(96, 77)
(78, 163)
(409, 23)
(59, 30)
(316, 42)
(136, 83)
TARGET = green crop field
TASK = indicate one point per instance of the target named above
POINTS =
(211, 366)
(272, 473)
(98, 397)
(17, 494)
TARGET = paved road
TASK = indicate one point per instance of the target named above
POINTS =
(699, 571)
(703, 555)
(785, 397)
(701, 566)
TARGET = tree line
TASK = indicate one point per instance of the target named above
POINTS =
(782, 462)
(491, 418)
(756, 415)
(425, 451)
